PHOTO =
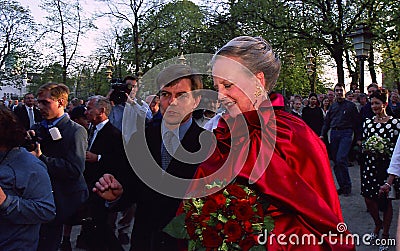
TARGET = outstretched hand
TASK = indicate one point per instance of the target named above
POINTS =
(108, 188)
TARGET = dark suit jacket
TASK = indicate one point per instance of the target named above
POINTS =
(108, 144)
(23, 117)
(65, 161)
(154, 210)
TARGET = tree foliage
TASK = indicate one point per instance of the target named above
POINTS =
(17, 29)
(63, 31)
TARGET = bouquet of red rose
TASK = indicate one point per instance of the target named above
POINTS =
(230, 219)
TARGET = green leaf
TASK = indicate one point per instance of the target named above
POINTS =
(176, 227)
(258, 248)
(269, 223)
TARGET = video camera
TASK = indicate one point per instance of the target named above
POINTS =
(120, 89)
(30, 142)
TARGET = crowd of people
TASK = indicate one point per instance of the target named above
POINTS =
(93, 160)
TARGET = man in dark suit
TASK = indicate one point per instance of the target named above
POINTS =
(62, 148)
(149, 186)
(28, 114)
(105, 154)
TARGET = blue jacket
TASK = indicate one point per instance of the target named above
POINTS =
(29, 201)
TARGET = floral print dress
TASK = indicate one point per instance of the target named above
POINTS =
(374, 169)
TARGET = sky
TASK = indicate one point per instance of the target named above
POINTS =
(89, 42)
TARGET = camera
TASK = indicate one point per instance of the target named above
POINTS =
(120, 89)
(30, 143)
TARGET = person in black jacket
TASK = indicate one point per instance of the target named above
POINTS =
(157, 199)
(313, 115)
(344, 121)
(28, 114)
(62, 148)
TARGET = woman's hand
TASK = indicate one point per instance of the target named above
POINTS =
(108, 188)
(384, 189)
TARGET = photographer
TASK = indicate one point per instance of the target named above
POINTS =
(123, 92)
(26, 199)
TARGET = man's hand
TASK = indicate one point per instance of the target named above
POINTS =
(129, 99)
(91, 157)
(3, 196)
(108, 188)
(37, 152)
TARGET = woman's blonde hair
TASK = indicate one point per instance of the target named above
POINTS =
(257, 55)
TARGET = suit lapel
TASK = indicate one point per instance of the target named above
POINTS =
(98, 141)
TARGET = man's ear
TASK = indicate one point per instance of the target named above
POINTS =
(61, 102)
(197, 100)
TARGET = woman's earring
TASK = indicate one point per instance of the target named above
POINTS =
(259, 91)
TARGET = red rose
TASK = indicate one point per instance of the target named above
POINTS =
(219, 226)
(260, 211)
(233, 230)
(211, 239)
(243, 210)
(247, 243)
(253, 199)
(248, 227)
(204, 220)
(236, 191)
(220, 199)
(191, 228)
(210, 206)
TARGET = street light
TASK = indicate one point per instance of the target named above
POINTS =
(182, 59)
(109, 71)
(311, 70)
(362, 44)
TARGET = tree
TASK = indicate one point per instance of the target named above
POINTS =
(130, 13)
(16, 31)
(63, 30)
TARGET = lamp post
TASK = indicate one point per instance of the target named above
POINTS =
(361, 40)
(311, 70)
(109, 71)
(182, 59)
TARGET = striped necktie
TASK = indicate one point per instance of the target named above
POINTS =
(31, 117)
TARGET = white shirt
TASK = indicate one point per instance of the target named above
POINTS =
(130, 118)
(99, 126)
(394, 167)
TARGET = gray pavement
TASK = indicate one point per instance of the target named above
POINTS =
(356, 216)
(354, 211)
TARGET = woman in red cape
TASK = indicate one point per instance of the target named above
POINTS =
(261, 145)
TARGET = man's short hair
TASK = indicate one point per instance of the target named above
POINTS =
(57, 91)
(339, 85)
(373, 85)
(102, 102)
(130, 77)
(75, 102)
(28, 93)
(77, 112)
(173, 73)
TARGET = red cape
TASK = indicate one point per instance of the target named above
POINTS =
(293, 169)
